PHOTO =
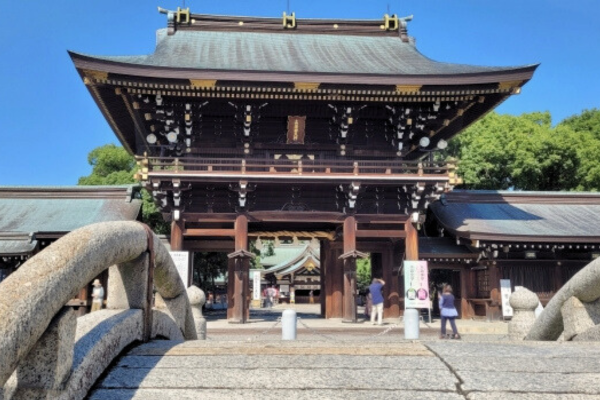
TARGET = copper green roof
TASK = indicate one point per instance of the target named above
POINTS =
(54, 211)
(289, 258)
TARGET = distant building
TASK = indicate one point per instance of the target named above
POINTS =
(295, 268)
(32, 218)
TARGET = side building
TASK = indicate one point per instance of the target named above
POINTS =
(538, 240)
(32, 218)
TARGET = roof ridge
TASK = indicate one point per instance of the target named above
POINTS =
(183, 19)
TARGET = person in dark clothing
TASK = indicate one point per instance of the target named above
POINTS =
(448, 312)
(377, 299)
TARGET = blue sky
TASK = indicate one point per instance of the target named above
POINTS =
(49, 122)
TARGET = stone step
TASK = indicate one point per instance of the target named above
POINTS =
(276, 370)
(347, 370)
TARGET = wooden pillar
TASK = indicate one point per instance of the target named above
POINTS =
(398, 256)
(466, 291)
(412, 242)
(176, 235)
(411, 248)
(323, 277)
(494, 277)
(349, 270)
(230, 288)
(558, 279)
(391, 289)
(239, 270)
(334, 284)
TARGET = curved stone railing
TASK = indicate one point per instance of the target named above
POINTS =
(584, 286)
(46, 349)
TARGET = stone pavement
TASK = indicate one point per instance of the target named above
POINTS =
(332, 360)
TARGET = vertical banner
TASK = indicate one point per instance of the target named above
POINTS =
(505, 292)
(182, 262)
(256, 278)
(416, 284)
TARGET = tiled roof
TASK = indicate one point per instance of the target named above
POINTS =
(527, 216)
(443, 247)
(289, 258)
(283, 254)
(58, 210)
(301, 53)
(16, 244)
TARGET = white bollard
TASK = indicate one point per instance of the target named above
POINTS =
(411, 323)
(288, 325)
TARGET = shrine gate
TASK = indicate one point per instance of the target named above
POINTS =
(321, 128)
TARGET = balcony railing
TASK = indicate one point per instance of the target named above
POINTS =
(269, 166)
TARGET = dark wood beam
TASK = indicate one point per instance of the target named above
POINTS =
(209, 232)
(177, 235)
(291, 216)
(380, 234)
(225, 246)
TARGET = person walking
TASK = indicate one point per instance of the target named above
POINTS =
(270, 296)
(377, 299)
(97, 295)
(448, 312)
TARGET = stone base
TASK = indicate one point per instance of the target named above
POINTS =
(256, 304)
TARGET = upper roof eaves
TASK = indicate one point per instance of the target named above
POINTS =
(224, 46)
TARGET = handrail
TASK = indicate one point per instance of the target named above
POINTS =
(286, 166)
(34, 294)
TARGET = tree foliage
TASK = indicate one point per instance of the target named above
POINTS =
(526, 152)
(363, 273)
(112, 165)
(267, 249)
(207, 268)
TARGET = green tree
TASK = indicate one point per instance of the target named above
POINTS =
(363, 273)
(267, 249)
(587, 121)
(586, 128)
(207, 268)
(523, 152)
(112, 165)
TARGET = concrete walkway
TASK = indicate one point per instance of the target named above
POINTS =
(331, 360)
(263, 325)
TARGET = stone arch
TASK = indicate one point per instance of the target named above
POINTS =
(584, 285)
(32, 296)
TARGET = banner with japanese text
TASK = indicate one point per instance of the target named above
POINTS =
(181, 259)
(416, 284)
(256, 280)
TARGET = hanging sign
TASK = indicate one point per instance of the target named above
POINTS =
(505, 292)
(416, 284)
(295, 131)
(181, 259)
